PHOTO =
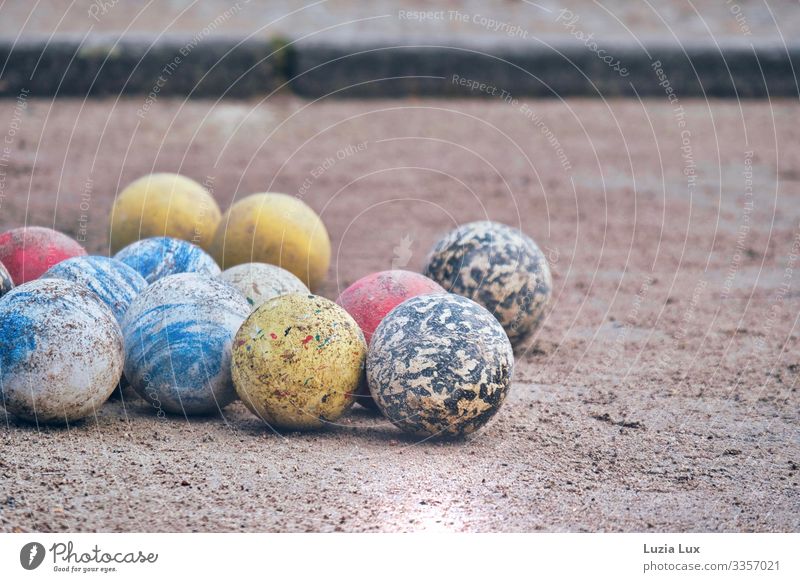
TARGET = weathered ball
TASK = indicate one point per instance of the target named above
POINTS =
(370, 298)
(178, 335)
(259, 282)
(439, 365)
(61, 351)
(277, 229)
(6, 284)
(29, 251)
(163, 205)
(155, 258)
(298, 361)
(114, 282)
(499, 267)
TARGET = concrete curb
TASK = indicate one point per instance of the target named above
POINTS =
(217, 66)
(174, 65)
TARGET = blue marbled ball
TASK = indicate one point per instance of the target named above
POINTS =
(439, 365)
(6, 284)
(114, 282)
(60, 351)
(158, 257)
(178, 335)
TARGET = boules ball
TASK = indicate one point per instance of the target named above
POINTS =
(29, 251)
(259, 282)
(163, 204)
(370, 298)
(499, 267)
(114, 282)
(298, 361)
(277, 229)
(6, 283)
(439, 365)
(178, 335)
(155, 258)
(61, 351)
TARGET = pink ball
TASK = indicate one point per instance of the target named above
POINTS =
(369, 299)
(28, 252)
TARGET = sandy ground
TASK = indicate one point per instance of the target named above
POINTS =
(660, 394)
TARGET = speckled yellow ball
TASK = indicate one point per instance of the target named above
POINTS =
(164, 205)
(298, 361)
(277, 229)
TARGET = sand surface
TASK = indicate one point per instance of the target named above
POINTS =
(660, 394)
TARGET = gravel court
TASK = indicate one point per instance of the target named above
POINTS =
(659, 395)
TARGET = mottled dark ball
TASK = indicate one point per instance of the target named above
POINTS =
(499, 267)
(6, 284)
(439, 365)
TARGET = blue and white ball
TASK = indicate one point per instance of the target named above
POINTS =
(114, 282)
(158, 257)
(178, 335)
(6, 283)
(61, 352)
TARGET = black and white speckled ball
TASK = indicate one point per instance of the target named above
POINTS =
(439, 365)
(6, 284)
(499, 267)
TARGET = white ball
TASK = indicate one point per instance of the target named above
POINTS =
(260, 282)
(61, 352)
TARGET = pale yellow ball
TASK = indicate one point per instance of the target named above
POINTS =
(164, 205)
(277, 229)
(298, 361)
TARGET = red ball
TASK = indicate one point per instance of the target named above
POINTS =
(369, 299)
(28, 252)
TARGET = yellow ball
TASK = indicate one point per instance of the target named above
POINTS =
(164, 205)
(298, 361)
(278, 229)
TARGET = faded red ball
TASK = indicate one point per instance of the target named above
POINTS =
(369, 299)
(30, 251)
